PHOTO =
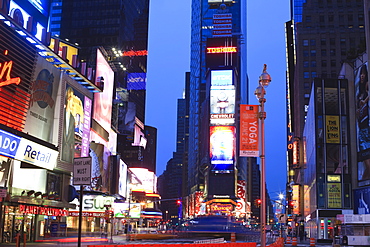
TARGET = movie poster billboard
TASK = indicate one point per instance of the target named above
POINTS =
(362, 118)
(43, 98)
(222, 147)
(103, 101)
(76, 124)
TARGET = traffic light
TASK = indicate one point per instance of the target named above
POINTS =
(178, 202)
(257, 202)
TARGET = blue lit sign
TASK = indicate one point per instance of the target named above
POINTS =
(136, 81)
(9, 144)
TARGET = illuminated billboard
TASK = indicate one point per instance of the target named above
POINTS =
(76, 125)
(222, 100)
(43, 101)
(71, 50)
(222, 147)
(143, 180)
(122, 184)
(136, 81)
(221, 78)
(103, 101)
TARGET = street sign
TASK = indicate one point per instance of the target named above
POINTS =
(82, 171)
(282, 218)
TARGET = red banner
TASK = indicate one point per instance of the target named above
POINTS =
(249, 131)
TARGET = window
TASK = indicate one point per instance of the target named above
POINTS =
(313, 42)
(305, 53)
(323, 63)
(313, 64)
(308, 18)
(306, 75)
(305, 64)
(332, 52)
(331, 18)
(350, 17)
(322, 18)
(305, 42)
(323, 41)
(313, 53)
(343, 52)
(313, 74)
(333, 63)
(342, 42)
(332, 41)
(323, 52)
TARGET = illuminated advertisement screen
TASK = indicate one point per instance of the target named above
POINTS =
(136, 81)
(40, 115)
(221, 78)
(122, 184)
(103, 101)
(76, 125)
(71, 50)
(362, 118)
(143, 180)
(20, 11)
(222, 100)
(222, 147)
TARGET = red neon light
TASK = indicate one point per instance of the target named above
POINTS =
(6, 68)
(231, 49)
(135, 53)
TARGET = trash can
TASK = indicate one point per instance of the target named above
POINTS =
(344, 240)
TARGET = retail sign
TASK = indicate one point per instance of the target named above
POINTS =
(5, 79)
(29, 209)
(135, 53)
(249, 131)
(82, 171)
(36, 154)
(9, 144)
(332, 129)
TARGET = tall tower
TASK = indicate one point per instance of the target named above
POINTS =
(218, 50)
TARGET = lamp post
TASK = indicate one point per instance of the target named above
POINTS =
(264, 81)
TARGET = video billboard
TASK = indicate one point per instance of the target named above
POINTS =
(221, 78)
(76, 124)
(222, 147)
(222, 100)
(44, 90)
(103, 101)
(143, 180)
(362, 117)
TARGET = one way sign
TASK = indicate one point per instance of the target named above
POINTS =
(282, 218)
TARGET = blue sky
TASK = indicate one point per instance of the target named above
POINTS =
(169, 59)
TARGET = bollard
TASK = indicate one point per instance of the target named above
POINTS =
(233, 237)
(312, 242)
(294, 241)
(288, 240)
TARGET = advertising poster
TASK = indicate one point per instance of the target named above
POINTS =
(362, 201)
(249, 145)
(222, 147)
(103, 101)
(334, 195)
(332, 129)
(223, 100)
(76, 124)
(240, 208)
(362, 117)
(40, 115)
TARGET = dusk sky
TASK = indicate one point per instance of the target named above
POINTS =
(169, 59)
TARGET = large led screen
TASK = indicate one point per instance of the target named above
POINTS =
(222, 100)
(222, 147)
(363, 129)
(142, 180)
(76, 125)
(221, 78)
(103, 101)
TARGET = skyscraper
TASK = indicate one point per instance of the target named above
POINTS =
(218, 50)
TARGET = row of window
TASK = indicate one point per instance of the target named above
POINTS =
(324, 63)
(324, 53)
(324, 74)
(341, 18)
(330, 41)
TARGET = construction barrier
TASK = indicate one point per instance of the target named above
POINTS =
(233, 237)
(294, 241)
(278, 243)
(312, 242)
(288, 240)
(179, 245)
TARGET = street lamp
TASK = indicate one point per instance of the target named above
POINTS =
(264, 81)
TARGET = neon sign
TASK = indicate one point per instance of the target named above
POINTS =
(5, 69)
(231, 49)
(135, 53)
